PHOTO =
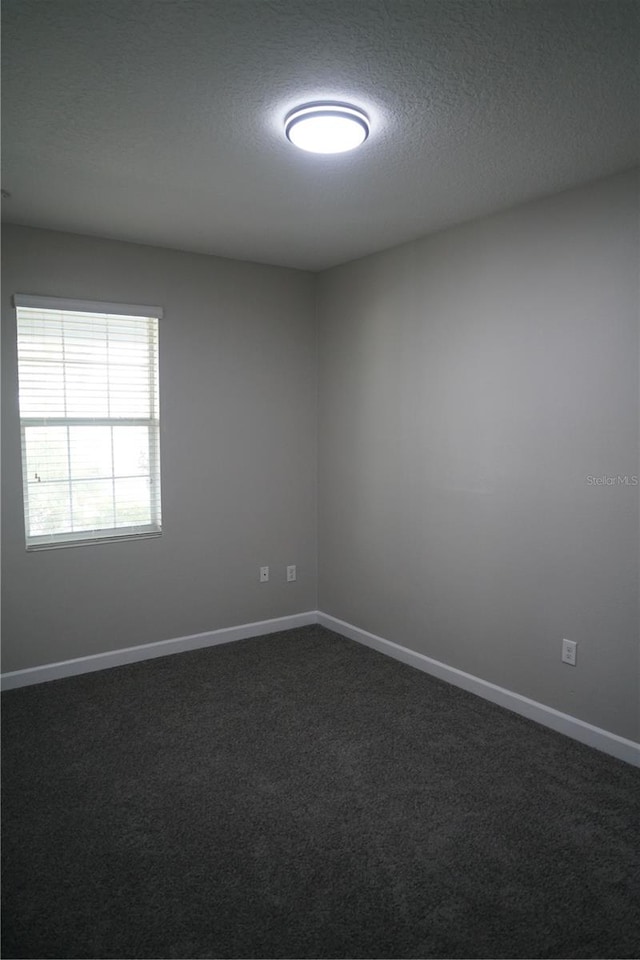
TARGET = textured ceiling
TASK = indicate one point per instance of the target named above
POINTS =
(160, 121)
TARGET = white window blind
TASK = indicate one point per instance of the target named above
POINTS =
(88, 388)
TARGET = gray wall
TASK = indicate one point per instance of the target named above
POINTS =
(238, 438)
(469, 384)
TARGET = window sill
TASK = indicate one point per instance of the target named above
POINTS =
(92, 541)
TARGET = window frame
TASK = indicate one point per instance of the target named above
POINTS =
(152, 424)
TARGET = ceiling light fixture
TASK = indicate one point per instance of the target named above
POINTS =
(327, 127)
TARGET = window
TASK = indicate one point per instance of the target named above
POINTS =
(88, 376)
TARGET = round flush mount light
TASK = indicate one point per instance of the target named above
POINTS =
(327, 127)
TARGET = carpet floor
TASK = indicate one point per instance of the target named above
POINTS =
(300, 795)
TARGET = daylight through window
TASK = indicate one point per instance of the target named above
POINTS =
(88, 376)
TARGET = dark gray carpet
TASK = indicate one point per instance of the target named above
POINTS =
(302, 796)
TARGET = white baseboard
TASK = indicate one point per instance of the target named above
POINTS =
(610, 743)
(148, 651)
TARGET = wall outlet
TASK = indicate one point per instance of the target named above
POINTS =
(569, 652)
(291, 573)
(264, 574)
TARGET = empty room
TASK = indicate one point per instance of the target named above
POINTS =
(320, 479)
